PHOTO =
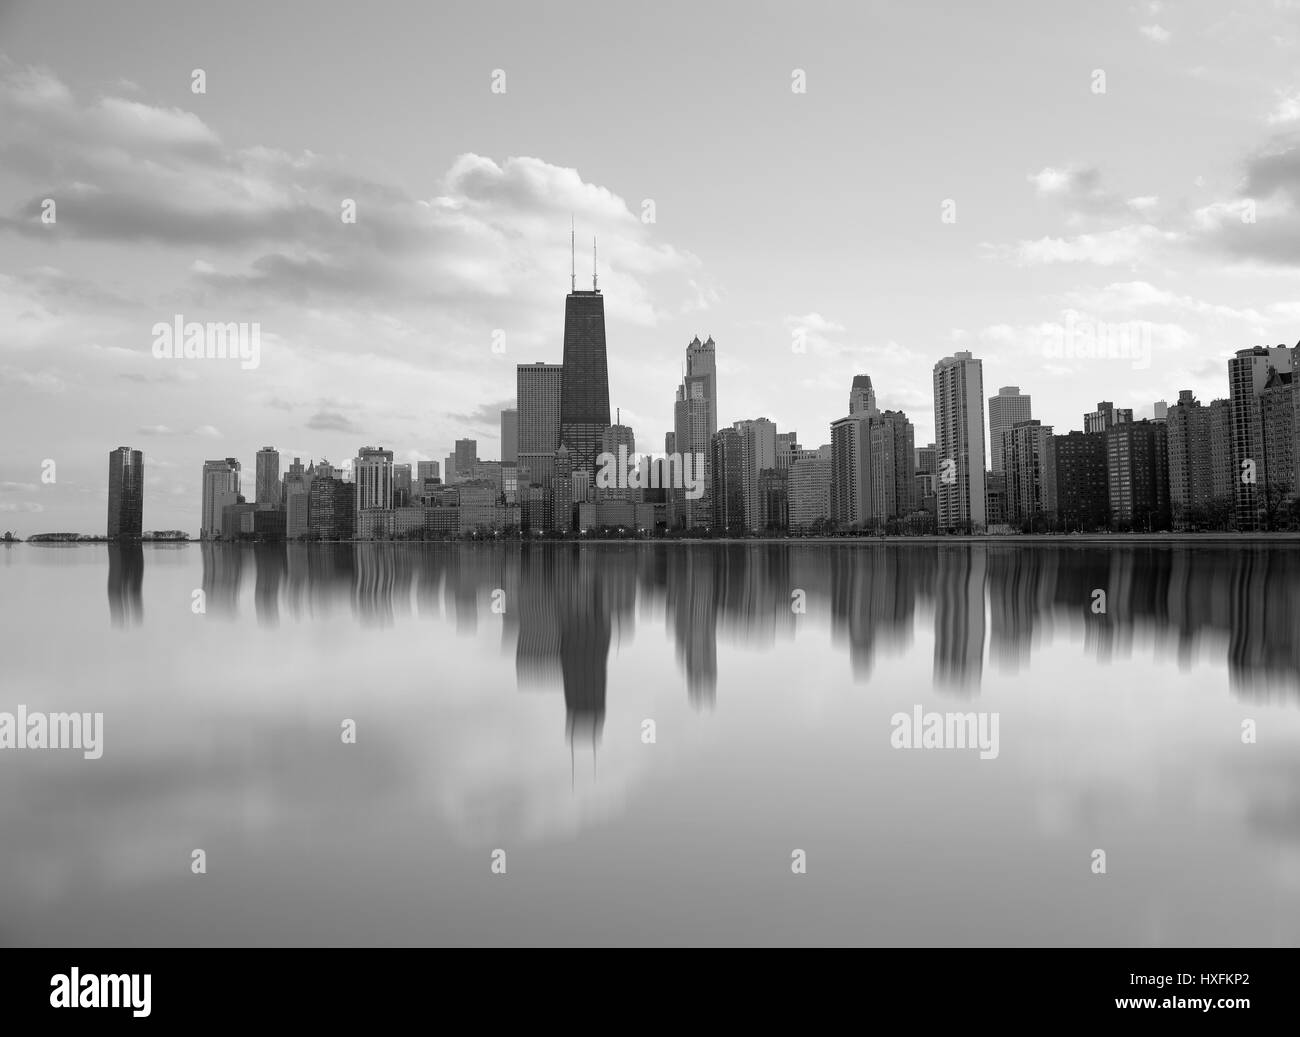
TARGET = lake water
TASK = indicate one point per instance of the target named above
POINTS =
(500, 693)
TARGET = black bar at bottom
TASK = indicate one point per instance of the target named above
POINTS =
(370, 986)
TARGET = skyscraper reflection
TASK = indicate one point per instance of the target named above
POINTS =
(125, 582)
(563, 605)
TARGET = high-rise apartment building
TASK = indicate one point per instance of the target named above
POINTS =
(809, 487)
(1029, 466)
(893, 477)
(125, 494)
(959, 442)
(1137, 475)
(1249, 374)
(1082, 486)
(1107, 415)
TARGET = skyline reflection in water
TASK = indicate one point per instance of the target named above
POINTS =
(499, 692)
(562, 601)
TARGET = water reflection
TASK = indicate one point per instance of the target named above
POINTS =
(561, 605)
(125, 583)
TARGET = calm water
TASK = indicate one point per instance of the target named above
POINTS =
(480, 729)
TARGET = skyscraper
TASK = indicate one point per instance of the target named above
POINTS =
(959, 441)
(851, 471)
(892, 446)
(1107, 415)
(584, 398)
(509, 436)
(862, 397)
(267, 485)
(1006, 409)
(1029, 467)
(372, 472)
(297, 499)
(1137, 474)
(1082, 497)
(728, 481)
(220, 488)
(810, 487)
(538, 394)
(1191, 463)
(125, 493)
(757, 453)
(402, 486)
(1249, 374)
(466, 454)
(425, 470)
(695, 420)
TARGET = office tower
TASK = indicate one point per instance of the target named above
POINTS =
(1009, 407)
(695, 420)
(616, 436)
(402, 486)
(372, 472)
(466, 454)
(728, 482)
(297, 499)
(959, 442)
(426, 471)
(267, 485)
(757, 452)
(220, 488)
(892, 445)
(331, 513)
(509, 436)
(787, 445)
(562, 490)
(862, 397)
(810, 488)
(1161, 409)
(584, 398)
(773, 500)
(1249, 374)
(449, 465)
(1082, 486)
(1137, 475)
(125, 493)
(851, 497)
(611, 439)
(539, 388)
(1106, 416)
(1029, 467)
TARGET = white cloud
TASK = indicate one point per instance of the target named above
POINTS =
(1287, 108)
(1155, 33)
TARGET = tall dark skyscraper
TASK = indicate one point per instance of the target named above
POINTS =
(125, 493)
(584, 396)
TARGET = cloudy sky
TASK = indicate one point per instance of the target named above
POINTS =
(1164, 190)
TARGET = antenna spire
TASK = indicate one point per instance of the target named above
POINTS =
(573, 258)
(593, 264)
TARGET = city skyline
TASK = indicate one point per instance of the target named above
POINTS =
(227, 209)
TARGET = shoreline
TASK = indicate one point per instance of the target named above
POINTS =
(848, 541)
